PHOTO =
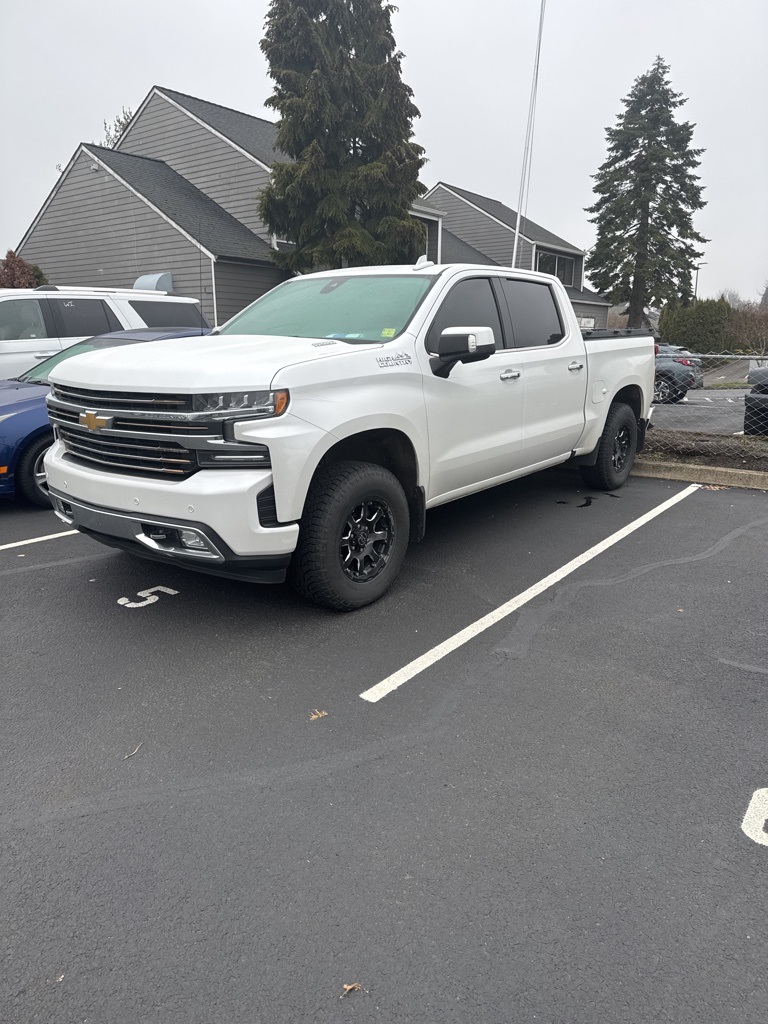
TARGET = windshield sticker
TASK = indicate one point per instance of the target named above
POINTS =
(388, 332)
(397, 359)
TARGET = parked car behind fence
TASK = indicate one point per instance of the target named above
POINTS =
(756, 402)
(677, 373)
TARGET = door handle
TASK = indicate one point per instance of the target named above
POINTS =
(44, 355)
(576, 366)
(509, 375)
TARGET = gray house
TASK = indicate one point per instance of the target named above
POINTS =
(488, 227)
(179, 194)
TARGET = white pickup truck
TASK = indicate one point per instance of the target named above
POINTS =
(311, 433)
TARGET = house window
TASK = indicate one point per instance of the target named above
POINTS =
(558, 266)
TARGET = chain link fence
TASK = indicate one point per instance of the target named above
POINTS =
(710, 409)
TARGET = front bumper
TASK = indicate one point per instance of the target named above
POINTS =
(160, 540)
(219, 504)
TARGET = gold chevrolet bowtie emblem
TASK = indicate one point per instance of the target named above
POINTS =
(93, 421)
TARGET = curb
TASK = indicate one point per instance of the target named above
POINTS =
(689, 473)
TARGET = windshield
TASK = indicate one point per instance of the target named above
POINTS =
(357, 309)
(39, 374)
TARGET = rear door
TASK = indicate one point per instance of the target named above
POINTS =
(475, 415)
(27, 334)
(80, 318)
(552, 360)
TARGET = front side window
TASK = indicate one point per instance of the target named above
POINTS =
(559, 266)
(532, 308)
(21, 320)
(81, 317)
(351, 309)
(469, 303)
(156, 313)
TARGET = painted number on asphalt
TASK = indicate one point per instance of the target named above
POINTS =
(756, 819)
(150, 596)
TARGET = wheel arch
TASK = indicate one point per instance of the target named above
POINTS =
(393, 450)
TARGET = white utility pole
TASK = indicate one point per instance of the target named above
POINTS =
(525, 174)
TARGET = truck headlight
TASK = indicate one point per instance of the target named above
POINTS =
(253, 404)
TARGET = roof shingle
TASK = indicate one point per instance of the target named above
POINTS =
(184, 204)
(253, 134)
(508, 217)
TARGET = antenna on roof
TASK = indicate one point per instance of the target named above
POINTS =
(421, 262)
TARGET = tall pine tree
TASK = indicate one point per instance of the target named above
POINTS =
(346, 120)
(647, 193)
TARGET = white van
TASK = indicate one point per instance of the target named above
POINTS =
(35, 323)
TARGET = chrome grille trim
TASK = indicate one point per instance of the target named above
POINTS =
(149, 457)
(134, 401)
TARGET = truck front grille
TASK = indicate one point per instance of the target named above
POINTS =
(128, 401)
(143, 456)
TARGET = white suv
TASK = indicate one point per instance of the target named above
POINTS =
(35, 323)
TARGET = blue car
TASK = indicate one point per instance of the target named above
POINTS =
(25, 431)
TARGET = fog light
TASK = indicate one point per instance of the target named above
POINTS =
(190, 539)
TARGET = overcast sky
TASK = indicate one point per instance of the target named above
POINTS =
(68, 66)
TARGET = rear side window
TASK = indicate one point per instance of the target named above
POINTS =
(533, 310)
(168, 314)
(82, 318)
(21, 319)
(470, 303)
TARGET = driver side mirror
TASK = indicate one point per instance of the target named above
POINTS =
(461, 345)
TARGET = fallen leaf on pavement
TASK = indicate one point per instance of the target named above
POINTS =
(354, 987)
(314, 715)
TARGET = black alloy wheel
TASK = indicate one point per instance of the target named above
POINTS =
(622, 448)
(366, 540)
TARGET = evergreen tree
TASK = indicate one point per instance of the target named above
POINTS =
(647, 193)
(346, 123)
(700, 327)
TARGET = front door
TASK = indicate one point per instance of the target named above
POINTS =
(474, 416)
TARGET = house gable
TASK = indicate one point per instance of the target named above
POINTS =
(96, 231)
(163, 130)
(479, 229)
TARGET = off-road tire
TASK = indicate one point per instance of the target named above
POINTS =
(615, 452)
(28, 472)
(339, 563)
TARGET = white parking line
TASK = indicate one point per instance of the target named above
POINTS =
(392, 682)
(756, 817)
(36, 540)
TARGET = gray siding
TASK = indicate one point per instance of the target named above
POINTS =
(238, 284)
(164, 132)
(479, 230)
(600, 313)
(97, 233)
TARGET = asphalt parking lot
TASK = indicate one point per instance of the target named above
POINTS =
(711, 411)
(561, 820)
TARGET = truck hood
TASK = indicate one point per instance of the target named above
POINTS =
(197, 365)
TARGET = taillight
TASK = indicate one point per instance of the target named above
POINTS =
(656, 349)
(685, 362)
